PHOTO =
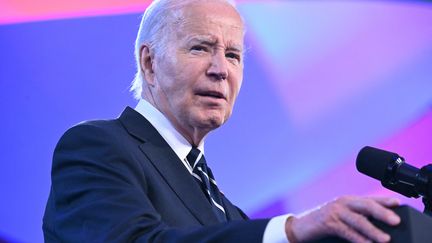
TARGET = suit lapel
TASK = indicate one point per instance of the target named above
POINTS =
(169, 166)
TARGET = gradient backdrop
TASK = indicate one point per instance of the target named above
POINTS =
(322, 80)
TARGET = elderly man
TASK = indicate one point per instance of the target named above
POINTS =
(143, 177)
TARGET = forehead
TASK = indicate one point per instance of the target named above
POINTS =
(215, 21)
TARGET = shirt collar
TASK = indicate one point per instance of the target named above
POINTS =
(174, 139)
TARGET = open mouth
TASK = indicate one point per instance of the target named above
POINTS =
(211, 94)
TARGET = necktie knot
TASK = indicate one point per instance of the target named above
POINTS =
(193, 156)
(205, 178)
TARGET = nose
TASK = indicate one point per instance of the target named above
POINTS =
(218, 69)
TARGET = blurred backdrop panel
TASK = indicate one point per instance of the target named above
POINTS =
(322, 80)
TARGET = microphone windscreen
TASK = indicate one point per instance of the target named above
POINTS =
(373, 162)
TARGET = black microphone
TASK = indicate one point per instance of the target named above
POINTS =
(393, 172)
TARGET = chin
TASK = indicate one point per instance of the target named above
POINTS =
(211, 122)
(210, 119)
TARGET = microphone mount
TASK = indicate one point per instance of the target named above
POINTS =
(397, 175)
(425, 184)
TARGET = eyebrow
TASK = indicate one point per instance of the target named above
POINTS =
(210, 41)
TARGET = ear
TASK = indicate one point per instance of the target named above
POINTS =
(146, 63)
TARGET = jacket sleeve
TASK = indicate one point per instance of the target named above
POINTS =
(95, 197)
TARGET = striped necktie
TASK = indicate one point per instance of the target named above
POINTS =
(204, 177)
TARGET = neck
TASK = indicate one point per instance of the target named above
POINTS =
(192, 134)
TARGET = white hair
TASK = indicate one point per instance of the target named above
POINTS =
(153, 31)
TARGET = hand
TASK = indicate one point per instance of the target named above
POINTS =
(345, 217)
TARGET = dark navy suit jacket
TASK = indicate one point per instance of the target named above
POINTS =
(119, 181)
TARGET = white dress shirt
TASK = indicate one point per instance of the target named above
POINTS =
(275, 229)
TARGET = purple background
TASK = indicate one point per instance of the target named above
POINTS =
(322, 80)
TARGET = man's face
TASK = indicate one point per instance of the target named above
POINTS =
(199, 76)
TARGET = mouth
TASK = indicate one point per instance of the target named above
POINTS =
(212, 94)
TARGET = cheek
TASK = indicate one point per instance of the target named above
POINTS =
(235, 86)
(172, 81)
(239, 84)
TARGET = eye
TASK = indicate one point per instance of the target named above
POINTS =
(232, 55)
(199, 48)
